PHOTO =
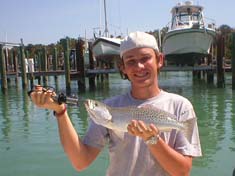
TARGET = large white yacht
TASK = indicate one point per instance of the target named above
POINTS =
(189, 36)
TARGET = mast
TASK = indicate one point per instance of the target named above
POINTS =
(106, 32)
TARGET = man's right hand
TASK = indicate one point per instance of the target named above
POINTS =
(42, 98)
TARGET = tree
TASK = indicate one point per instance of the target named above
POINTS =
(226, 33)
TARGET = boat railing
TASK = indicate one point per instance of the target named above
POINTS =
(206, 22)
(209, 23)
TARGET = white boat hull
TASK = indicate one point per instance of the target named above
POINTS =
(103, 47)
(182, 42)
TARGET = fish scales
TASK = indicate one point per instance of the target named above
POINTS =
(149, 114)
(118, 118)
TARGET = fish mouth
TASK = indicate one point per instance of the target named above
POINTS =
(86, 103)
(89, 107)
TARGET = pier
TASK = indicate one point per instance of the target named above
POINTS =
(18, 61)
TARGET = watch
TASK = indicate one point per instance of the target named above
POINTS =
(152, 140)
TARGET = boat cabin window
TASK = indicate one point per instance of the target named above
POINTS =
(185, 19)
(195, 17)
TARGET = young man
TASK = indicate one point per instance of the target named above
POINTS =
(144, 150)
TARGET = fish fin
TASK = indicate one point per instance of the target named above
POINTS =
(188, 128)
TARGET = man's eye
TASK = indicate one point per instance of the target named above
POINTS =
(145, 59)
(130, 62)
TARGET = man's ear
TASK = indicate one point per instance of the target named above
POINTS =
(122, 68)
(161, 60)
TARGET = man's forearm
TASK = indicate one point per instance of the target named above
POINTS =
(172, 161)
(79, 154)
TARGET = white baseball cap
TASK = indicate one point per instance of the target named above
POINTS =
(138, 40)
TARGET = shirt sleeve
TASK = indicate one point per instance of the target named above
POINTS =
(189, 147)
(96, 135)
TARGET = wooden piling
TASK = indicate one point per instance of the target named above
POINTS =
(67, 65)
(11, 59)
(210, 73)
(210, 77)
(55, 59)
(91, 66)
(39, 60)
(44, 65)
(30, 72)
(196, 74)
(220, 55)
(15, 63)
(23, 67)
(233, 60)
(3, 70)
(80, 65)
(6, 54)
(55, 62)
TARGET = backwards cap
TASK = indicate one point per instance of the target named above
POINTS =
(138, 40)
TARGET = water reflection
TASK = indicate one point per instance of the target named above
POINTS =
(26, 111)
(209, 106)
(26, 130)
(6, 122)
(232, 121)
(215, 118)
(14, 113)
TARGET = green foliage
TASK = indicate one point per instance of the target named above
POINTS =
(34, 50)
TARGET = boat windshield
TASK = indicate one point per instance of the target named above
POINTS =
(182, 20)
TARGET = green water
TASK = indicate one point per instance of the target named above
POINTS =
(30, 146)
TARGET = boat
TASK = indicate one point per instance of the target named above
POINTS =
(106, 46)
(189, 37)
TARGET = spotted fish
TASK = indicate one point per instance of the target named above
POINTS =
(118, 118)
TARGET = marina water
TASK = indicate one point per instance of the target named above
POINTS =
(30, 145)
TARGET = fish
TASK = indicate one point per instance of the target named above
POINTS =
(118, 118)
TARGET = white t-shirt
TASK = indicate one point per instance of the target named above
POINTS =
(129, 155)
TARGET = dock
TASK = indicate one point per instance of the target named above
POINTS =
(15, 62)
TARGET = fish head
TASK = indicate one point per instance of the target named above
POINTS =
(98, 112)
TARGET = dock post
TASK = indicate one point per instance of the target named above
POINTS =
(6, 53)
(80, 65)
(55, 61)
(220, 70)
(67, 65)
(11, 60)
(3, 70)
(39, 65)
(30, 73)
(39, 54)
(15, 63)
(44, 65)
(210, 77)
(23, 66)
(196, 74)
(91, 66)
(233, 60)
(210, 73)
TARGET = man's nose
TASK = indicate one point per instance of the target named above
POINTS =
(139, 64)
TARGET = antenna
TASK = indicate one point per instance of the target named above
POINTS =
(106, 32)
(100, 25)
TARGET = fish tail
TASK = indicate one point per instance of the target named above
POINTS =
(188, 128)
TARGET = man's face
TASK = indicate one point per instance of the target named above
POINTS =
(141, 66)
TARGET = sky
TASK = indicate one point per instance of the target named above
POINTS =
(47, 21)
